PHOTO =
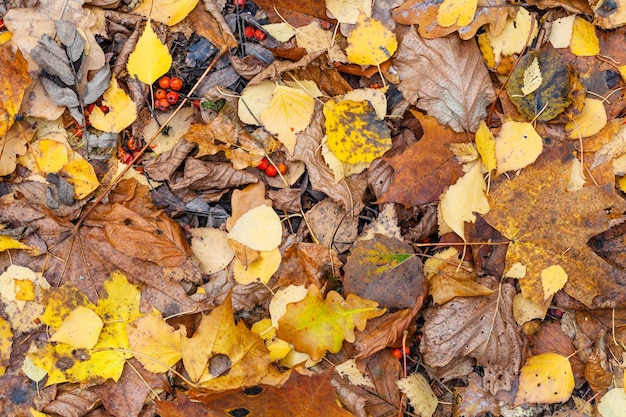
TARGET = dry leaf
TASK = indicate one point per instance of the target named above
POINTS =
(545, 379)
(150, 59)
(370, 42)
(449, 96)
(420, 395)
(169, 12)
(14, 81)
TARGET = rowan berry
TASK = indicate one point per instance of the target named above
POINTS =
(282, 168)
(160, 94)
(263, 164)
(172, 97)
(164, 82)
(249, 32)
(176, 83)
(162, 105)
(271, 171)
(239, 3)
(259, 35)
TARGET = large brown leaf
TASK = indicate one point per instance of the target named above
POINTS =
(482, 328)
(446, 77)
(421, 173)
(548, 225)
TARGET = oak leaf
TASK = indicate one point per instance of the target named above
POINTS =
(459, 12)
(315, 325)
(548, 225)
(447, 78)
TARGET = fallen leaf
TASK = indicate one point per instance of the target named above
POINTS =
(473, 400)
(553, 278)
(450, 96)
(6, 342)
(254, 99)
(122, 110)
(511, 40)
(348, 11)
(532, 78)
(210, 247)
(315, 325)
(612, 403)
(486, 146)
(14, 145)
(82, 176)
(517, 146)
(420, 395)
(545, 379)
(457, 12)
(259, 270)
(158, 344)
(150, 59)
(260, 229)
(169, 12)
(81, 328)
(590, 121)
(15, 80)
(370, 42)
(584, 42)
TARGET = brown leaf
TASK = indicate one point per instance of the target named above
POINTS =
(423, 171)
(551, 338)
(424, 15)
(301, 396)
(286, 199)
(385, 270)
(72, 400)
(447, 78)
(482, 328)
(169, 161)
(307, 263)
(597, 367)
(212, 25)
(548, 225)
(473, 400)
(332, 226)
(204, 175)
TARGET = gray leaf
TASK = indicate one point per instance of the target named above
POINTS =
(69, 36)
(62, 96)
(97, 85)
(52, 59)
(104, 141)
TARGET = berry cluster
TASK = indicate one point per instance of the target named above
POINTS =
(399, 353)
(271, 170)
(166, 95)
(251, 32)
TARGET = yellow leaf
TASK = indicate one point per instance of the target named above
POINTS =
(461, 200)
(169, 12)
(157, 341)
(259, 228)
(532, 77)
(545, 379)
(420, 395)
(81, 329)
(284, 296)
(553, 278)
(355, 133)
(313, 38)
(314, 325)
(613, 403)
(122, 110)
(622, 71)
(82, 176)
(150, 59)
(7, 242)
(459, 12)
(561, 33)
(260, 270)
(24, 290)
(14, 144)
(590, 121)
(254, 100)
(288, 113)
(210, 247)
(14, 80)
(513, 37)
(486, 146)
(347, 11)
(370, 42)
(6, 344)
(585, 42)
(51, 155)
(35, 413)
(282, 32)
(517, 146)
(525, 309)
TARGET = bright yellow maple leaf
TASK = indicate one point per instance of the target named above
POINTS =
(82, 176)
(289, 112)
(314, 325)
(122, 110)
(355, 133)
(169, 12)
(150, 59)
(459, 12)
(545, 379)
(156, 341)
(66, 362)
(6, 344)
(370, 42)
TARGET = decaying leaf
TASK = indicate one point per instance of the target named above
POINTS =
(451, 96)
(419, 393)
(370, 42)
(14, 81)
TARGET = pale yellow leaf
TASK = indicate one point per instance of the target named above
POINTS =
(169, 12)
(486, 146)
(517, 146)
(590, 121)
(158, 343)
(532, 77)
(514, 36)
(259, 229)
(553, 278)
(150, 59)
(576, 179)
(254, 100)
(420, 395)
(613, 403)
(284, 296)
(545, 379)
(259, 270)
(313, 38)
(562, 30)
(282, 32)
(82, 176)
(81, 329)
(464, 198)
(289, 112)
(585, 42)
(525, 309)
(370, 42)
(14, 145)
(347, 11)
(210, 247)
(459, 12)
(517, 271)
(350, 370)
(32, 371)
(122, 110)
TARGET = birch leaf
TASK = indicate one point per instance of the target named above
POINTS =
(150, 59)
(532, 77)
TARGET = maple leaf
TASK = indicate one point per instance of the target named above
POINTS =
(423, 171)
(548, 225)
(445, 77)
(315, 325)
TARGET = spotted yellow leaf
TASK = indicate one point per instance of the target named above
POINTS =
(459, 12)
(355, 133)
(517, 146)
(545, 379)
(122, 111)
(150, 59)
(370, 42)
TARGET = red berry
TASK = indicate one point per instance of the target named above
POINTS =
(176, 83)
(249, 32)
(397, 353)
(407, 350)
(164, 82)
(90, 107)
(326, 25)
(2, 24)
(282, 168)
(196, 103)
(104, 109)
(263, 164)
(259, 35)
(239, 3)
(160, 94)
(162, 105)
(172, 97)
(271, 171)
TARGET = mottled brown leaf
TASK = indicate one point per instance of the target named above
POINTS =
(474, 400)
(204, 175)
